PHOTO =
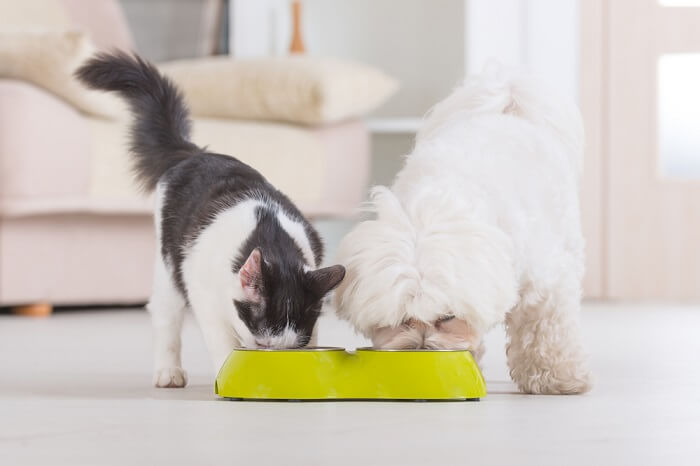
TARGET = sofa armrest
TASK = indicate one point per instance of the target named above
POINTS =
(44, 148)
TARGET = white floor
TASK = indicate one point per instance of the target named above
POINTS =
(75, 389)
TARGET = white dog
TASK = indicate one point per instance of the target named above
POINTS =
(480, 227)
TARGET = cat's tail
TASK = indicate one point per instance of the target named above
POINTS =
(161, 128)
(422, 260)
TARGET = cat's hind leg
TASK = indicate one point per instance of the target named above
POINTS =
(167, 308)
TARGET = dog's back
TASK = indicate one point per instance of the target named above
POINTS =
(503, 91)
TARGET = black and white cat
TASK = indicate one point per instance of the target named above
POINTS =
(232, 247)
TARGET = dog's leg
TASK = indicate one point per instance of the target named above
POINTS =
(409, 335)
(544, 350)
(454, 333)
(167, 308)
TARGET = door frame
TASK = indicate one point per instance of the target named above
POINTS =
(594, 104)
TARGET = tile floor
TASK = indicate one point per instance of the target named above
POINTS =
(75, 389)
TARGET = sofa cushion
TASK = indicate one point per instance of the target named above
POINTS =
(48, 60)
(311, 91)
(292, 158)
(104, 21)
(33, 15)
(323, 170)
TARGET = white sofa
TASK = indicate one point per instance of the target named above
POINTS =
(73, 228)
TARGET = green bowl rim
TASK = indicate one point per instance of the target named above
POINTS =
(293, 350)
(412, 350)
(367, 349)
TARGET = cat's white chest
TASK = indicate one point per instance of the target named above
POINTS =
(207, 268)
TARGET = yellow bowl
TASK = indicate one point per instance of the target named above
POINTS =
(336, 374)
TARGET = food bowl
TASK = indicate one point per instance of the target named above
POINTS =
(327, 373)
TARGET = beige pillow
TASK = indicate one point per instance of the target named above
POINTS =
(48, 60)
(23, 15)
(305, 90)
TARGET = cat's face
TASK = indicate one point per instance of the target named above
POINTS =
(281, 305)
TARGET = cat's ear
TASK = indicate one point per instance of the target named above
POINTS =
(321, 281)
(251, 276)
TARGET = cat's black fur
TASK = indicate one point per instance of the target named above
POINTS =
(200, 185)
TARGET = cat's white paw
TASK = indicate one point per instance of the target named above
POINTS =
(170, 377)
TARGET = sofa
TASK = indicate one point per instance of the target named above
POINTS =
(74, 230)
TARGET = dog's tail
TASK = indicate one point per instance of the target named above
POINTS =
(423, 261)
(161, 128)
(499, 90)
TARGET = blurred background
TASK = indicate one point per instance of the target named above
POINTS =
(75, 232)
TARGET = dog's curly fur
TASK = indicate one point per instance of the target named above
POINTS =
(480, 227)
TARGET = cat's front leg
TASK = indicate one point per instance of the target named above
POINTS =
(213, 312)
(210, 297)
(220, 339)
(167, 308)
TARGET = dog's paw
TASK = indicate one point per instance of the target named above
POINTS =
(552, 383)
(170, 377)
(408, 335)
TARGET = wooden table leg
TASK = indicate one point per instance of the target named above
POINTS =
(34, 310)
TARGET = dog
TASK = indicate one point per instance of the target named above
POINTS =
(481, 226)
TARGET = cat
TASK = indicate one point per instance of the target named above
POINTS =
(232, 248)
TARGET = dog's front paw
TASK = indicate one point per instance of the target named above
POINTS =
(408, 335)
(170, 377)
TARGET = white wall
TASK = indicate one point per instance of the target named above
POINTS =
(259, 27)
(419, 42)
(542, 35)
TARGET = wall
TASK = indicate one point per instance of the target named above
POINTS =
(542, 35)
(417, 41)
(169, 29)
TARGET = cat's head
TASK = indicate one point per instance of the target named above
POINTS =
(280, 304)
